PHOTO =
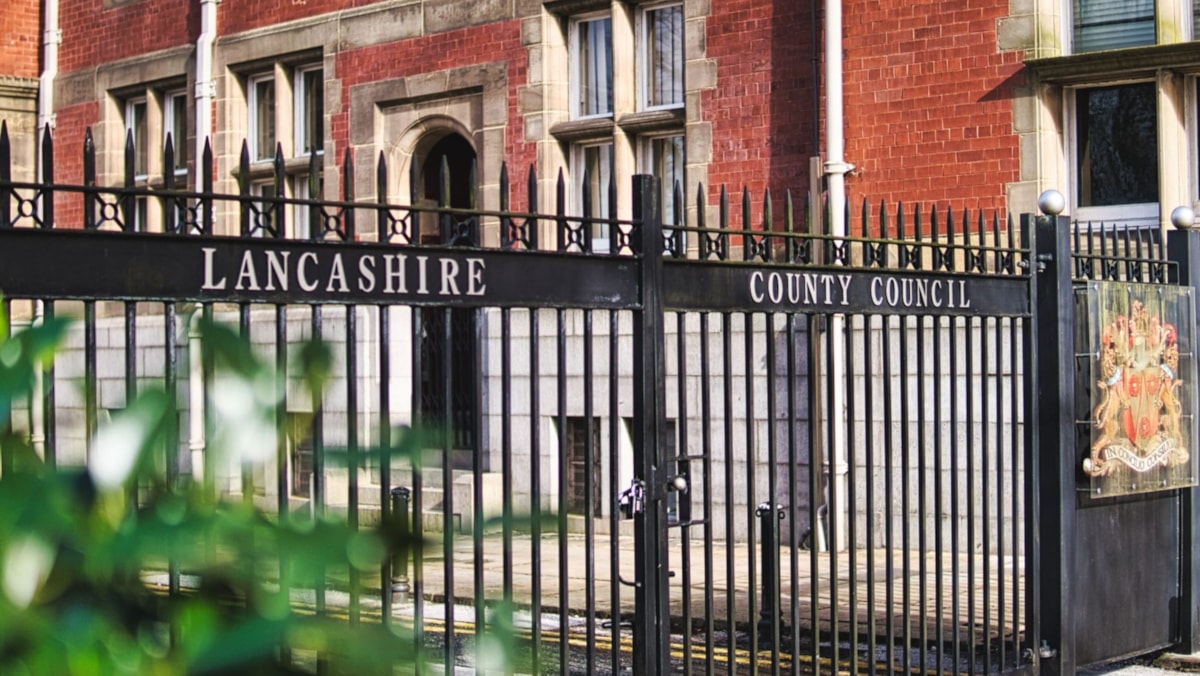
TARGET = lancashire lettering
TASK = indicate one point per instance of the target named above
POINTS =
(339, 273)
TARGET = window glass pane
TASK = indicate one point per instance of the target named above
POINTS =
(176, 117)
(141, 215)
(594, 176)
(666, 158)
(310, 111)
(597, 165)
(1111, 24)
(594, 67)
(262, 118)
(135, 123)
(1117, 145)
(664, 56)
(262, 214)
(302, 221)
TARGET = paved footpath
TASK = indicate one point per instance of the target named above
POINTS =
(1166, 663)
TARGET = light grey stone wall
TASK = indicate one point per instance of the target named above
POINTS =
(937, 444)
(18, 110)
(946, 417)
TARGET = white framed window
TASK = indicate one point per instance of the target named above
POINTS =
(137, 124)
(302, 222)
(262, 223)
(663, 158)
(308, 90)
(660, 57)
(175, 108)
(1114, 139)
(1192, 105)
(285, 109)
(1111, 24)
(260, 103)
(591, 66)
(592, 169)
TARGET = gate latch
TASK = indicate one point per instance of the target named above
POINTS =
(632, 500)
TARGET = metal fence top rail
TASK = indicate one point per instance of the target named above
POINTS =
(1115, 252)
(880, 240)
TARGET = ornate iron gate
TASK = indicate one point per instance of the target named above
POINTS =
(855, 410)
(1115, 563)
(736, 448)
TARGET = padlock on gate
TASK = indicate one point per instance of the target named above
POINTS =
(632, 500)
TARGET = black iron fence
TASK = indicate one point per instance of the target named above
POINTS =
(701, 448)
(860, 426)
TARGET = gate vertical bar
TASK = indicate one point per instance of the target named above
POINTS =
(1051, 463)
(651, 628)
(614, 480)
(1183, 248)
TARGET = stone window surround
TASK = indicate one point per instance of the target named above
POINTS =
(1174, 68)
(18, 106)
(549, 124)
(235, 113)
(1042, 30)
(152, 77)
(237, 97)
(403, 117)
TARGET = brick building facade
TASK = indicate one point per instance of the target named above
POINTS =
(699, 92)
(956, 105)
(20, 42)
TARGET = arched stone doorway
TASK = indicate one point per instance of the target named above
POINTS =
(449, 338)
(450, 150)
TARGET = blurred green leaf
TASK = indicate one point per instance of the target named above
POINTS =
(93, 597)
(316, 365)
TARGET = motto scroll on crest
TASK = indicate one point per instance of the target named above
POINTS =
(1141, 437)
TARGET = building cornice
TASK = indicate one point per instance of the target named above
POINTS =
(1117, 64)
(18, 87)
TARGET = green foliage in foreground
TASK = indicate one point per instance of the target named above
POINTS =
(83, 573)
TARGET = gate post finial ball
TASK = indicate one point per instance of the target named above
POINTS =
(1183, 218)
(1052, 202)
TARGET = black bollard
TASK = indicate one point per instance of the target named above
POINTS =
(400, 511)
(768, 615)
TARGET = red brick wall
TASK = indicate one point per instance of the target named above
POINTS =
(241, 15)
(452, 49)
(93, 35)
(68, 160)
(929, 103)
(20, 30)
(928, 97)
(761, 109)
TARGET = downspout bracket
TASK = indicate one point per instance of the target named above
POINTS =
(838, 167)
(206, 89)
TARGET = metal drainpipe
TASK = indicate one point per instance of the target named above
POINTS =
(816, 77)
(205, 85)
(836, 169)
(51, 39)
(204, 94)
(196, 394)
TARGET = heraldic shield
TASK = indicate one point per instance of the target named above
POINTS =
(1140, 387)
